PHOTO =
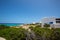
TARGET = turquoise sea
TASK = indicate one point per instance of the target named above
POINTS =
(11, 24)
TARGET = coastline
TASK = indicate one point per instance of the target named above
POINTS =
(12, 24)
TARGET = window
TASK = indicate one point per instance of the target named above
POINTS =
(50, 22)
(57, 18)
(57, 21)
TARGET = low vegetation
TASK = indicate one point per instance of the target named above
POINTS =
(46, 25)
(37, 33)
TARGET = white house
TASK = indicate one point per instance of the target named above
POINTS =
(54, 22)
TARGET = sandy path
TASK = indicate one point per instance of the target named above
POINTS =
(2, 38)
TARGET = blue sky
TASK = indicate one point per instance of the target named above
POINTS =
(27, 11)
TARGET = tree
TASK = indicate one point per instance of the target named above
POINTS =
(46, 25)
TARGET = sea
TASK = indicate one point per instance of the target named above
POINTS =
(12, 24)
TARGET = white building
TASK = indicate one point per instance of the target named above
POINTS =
(54, 22)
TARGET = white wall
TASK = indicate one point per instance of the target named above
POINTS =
(57, 25)
(47, 20)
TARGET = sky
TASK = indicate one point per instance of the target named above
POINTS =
(28, 11)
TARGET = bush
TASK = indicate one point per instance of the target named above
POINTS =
(3, 27)
(46, 25)
(36, 33)
(13, 34)
(46, 34)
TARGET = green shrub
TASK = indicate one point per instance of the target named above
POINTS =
(46, 25)
(3, 27)
(13, 34)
